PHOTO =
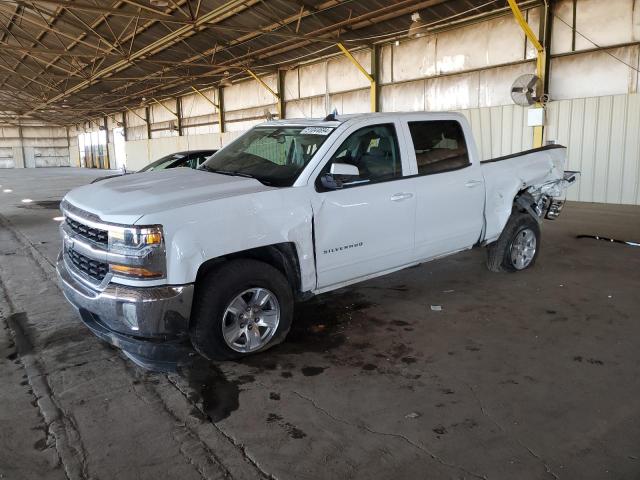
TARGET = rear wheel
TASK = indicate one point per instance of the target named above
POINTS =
(242, 307)
(517, 247)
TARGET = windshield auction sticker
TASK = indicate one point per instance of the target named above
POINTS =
(316, 131)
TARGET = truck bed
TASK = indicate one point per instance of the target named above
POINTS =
(506, 176)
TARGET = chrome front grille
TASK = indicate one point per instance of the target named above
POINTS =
(90, 267)
(93, 234)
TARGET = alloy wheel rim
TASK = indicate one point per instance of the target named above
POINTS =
(523, 248)
(250, 320)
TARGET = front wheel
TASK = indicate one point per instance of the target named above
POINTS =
(243, 307)
(517, 247)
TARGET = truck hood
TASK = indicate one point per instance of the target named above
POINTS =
(127, 198)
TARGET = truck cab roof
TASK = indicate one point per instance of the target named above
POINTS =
(337, 120)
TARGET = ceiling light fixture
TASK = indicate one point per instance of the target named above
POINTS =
(417, 28)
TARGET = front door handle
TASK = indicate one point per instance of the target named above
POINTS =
(398, 197)
(473, 183)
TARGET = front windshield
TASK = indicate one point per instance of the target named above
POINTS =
(272, 155)
(165, 162)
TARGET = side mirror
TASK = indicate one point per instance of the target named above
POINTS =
(340, 174)
(344, 170)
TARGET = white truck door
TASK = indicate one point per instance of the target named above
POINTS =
(366, 225)
(449, 186)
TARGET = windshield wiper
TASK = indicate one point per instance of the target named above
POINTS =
(233, 173)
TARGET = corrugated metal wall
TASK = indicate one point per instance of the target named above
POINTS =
(500, 130)
(602, 136)
(603, 139)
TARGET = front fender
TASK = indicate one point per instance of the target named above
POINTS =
(198, 233)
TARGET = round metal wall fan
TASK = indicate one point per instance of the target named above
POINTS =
(527, 90)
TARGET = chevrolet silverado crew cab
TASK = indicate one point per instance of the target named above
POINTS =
(215, 258)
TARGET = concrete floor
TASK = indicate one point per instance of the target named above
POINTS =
(520, 376)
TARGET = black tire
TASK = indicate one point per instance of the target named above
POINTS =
(218, 288)
(499, 252)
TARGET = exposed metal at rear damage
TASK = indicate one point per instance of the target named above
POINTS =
(549, 198)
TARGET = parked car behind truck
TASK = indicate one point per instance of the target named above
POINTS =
(190, 159)
(215, 258)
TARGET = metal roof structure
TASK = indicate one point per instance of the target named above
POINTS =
(62, 61)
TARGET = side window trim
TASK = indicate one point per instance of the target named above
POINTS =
(398, 130)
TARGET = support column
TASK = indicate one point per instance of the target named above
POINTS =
(221, 109)
(179, 115)
(66, 128)
(281, 103)
(541, 63)
(147, 116)
(106, 138)
(375, 74)
(124, 125)
(21, 161)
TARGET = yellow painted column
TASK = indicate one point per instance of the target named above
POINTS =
(538, 132)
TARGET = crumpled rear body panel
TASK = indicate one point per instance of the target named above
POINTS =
(506, 176)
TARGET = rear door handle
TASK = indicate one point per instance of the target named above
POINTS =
(398, 197)
(472, 183)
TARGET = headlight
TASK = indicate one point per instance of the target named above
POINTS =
(133, 238)
(140, 252)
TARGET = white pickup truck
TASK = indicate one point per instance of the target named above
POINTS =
(215, 258)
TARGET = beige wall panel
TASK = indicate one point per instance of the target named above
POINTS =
(604, 22)
(166, 131)
(251, 113)
(351, 102)
(291, 89)
(403, 97)
(242, 126)
(133, 120)
(137, 133)
(313, 79)
(343, 75)
(9, 132)
(199, 142)
(414, 59)
(593, 74)
(462, 49)
(533, 19)
(456, 92)
(561, 34)
(193, 105)
(385, 63)
(299, 108)
(505, 41)
(159, 113)
(250, 93)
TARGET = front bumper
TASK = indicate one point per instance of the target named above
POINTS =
(148, 322)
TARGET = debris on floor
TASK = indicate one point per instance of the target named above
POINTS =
(612, 240)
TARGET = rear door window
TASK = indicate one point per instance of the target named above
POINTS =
(439, 146)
